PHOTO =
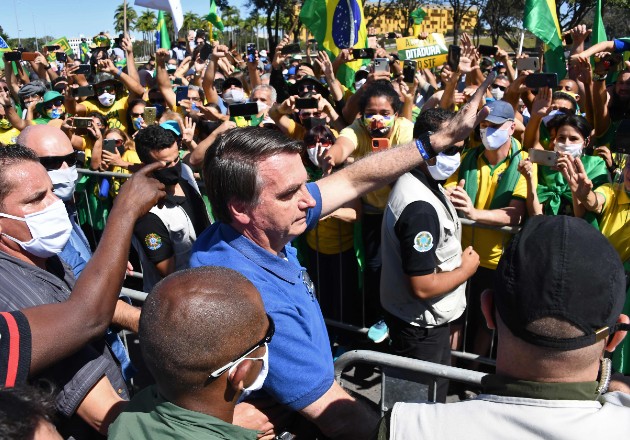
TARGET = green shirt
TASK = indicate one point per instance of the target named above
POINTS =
(150, 416)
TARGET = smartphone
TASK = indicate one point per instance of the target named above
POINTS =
(62, 57)
(530, 63)
(454, 52)
(53, 48)
(487, 51)
(381, 64)
(291, 48)
(543, 157)
(247, 109)
(314, 44)
(82, 91)
(366, 53)
(538, 80)
(380, 144)
(621, 144)
(110, 145)
(251, 52)
(568, 39)
(301, 103)
(29, 56)
(205, 52)
(82, 122)
(13, 56)
(84, 69)
(181, 94)
(149, 115)
(409, 70)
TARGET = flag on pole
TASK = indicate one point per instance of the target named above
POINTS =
(336, 25)
(4, 47)
(417, 16)
(541, 20)
(173, 7)
(213, 17)
(162, 40)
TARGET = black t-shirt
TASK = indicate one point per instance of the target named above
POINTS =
(154, 236)
(15, 348)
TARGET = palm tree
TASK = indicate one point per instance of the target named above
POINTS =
(191, 22)
(119, 20)
(146, 24)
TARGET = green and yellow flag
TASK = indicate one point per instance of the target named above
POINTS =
(541, 20)
(336, 25)
(417, 16)
(162, 40)
(213, 17)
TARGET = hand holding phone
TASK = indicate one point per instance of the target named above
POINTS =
(381, 64)
(149, 115)
(543, 157)
(409, 71)
(380, 144)
(454, 53)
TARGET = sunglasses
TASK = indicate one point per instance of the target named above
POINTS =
(50, 104)
(264, 341)
(137, 115)
(325, 143)
(55, 162)
(309, 87)
(502, 88)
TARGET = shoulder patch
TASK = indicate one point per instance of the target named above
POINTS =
(423, 241)
(153, 241)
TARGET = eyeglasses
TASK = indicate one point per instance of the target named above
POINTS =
(309, 87)
(55, 162)
(194, 98)
(50, 104)
(137, 115)
(264, 341)
(502, 88)
(305, 115)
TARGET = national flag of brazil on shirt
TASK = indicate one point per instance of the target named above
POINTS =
(540, 19)
(336, 25)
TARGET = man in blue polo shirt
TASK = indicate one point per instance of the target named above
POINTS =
(257, 186)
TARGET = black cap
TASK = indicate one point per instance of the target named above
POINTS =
(309, 79)
(560, 267)
(232, 81)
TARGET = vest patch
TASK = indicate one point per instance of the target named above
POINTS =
(423, 241)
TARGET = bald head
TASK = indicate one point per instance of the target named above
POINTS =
(45, 140)
(195, 321)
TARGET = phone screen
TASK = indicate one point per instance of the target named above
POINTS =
(454, 52)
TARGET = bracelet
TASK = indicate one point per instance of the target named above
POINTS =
(49, 66)
(118, 74)
(600, 77)
(423, 144)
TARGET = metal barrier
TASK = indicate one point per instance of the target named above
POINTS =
(392, 362)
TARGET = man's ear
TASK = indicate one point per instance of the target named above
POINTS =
(239, 212)
(619, 334)
(487, 308)
(238, 376)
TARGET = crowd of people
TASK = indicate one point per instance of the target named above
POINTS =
(261, 195)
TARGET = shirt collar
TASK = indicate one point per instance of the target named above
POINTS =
(507, 386)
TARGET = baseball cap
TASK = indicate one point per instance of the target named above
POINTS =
(560, 267)
(309, 79)
(231, 81)
(172, 126)
(262, 54)
(500, 111)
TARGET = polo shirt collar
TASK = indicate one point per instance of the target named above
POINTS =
(507, 386)
(283, 269)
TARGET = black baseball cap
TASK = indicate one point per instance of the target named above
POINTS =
(560, 267)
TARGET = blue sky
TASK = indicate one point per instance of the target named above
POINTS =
(72, 18)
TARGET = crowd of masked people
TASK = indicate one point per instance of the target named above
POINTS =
(262, 194)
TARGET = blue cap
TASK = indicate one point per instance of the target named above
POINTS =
(500, 111)
(172, 126)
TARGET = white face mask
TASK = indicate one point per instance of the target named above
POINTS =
(493, 138)
(262, 375)
(234, 96)
(63, 181)
(50, 229)
(574, 150)
(552, 114)
(497, 94)
(106, 99)
(445, 166)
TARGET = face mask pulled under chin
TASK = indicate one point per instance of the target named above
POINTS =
(493, 138)
(106, 99)
(50, 229)
(445, 166)
(260, 379)
(63, 181)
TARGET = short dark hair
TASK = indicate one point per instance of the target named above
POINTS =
(576, 121)
(380, 88)
(10, 155)
(565, 97)
(153, 138)
(230, 167)
(318, 132)
(431, 120)
(22, 409)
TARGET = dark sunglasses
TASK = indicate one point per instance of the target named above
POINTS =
(309, 87)
(265, 340)
(55, 162)
(496, 86)
(55, 103)
(137, 115)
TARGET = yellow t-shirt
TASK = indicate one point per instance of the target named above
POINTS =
(130, 156)
(402, 132)
(116, 114)
(486, 242)
(9, 136)
(331, 236)
(614, 218)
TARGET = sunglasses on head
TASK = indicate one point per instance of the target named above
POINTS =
(55, 162)
(55, 103)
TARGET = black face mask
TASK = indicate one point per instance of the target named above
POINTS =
(169, 176)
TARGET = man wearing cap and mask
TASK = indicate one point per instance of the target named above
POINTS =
(164, 237)
(424, 273)
(198, 385)
(30, 94)
(488, 189)
(557, 311)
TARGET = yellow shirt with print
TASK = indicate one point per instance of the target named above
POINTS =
(402, 132)
(129, 156)
(116, 114)
(489, 243)
(613, 221)
(9, 136)
(331, 236)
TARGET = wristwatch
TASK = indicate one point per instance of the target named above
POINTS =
(49, 66)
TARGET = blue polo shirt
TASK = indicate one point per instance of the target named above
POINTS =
(300, 360)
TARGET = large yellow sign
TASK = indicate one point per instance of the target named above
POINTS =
(431, 52)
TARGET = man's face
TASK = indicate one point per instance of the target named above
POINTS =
(507, 125)
(622, 87)
(105, 87)
(280, 214)
(194, 96)
(170, 154)
(303, 71)
(34, 193)
(32, 98)
(563, 105)
(263, 96)
(568, 85)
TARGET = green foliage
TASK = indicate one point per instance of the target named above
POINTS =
(119, 18)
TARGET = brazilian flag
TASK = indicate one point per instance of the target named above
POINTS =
(162, 40)
(336, 25)
(541, 20)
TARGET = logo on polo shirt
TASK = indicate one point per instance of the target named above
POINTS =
(423, 241)
(153, 241)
